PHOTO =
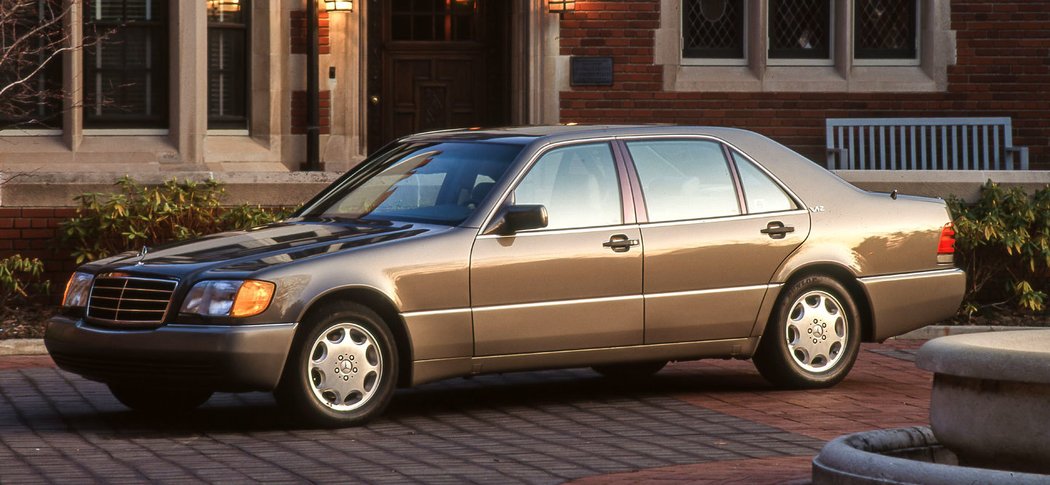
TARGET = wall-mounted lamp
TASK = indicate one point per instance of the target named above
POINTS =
(334, 6)
(559, 6)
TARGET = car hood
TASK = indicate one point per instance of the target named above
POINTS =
(261, 248)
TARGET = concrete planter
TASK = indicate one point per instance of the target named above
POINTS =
(906, 455)
(991, 397)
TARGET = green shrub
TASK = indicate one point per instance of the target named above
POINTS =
(1003, 243)
(20, 277)
(136, 215)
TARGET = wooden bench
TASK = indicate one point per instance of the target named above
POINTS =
(922, 144)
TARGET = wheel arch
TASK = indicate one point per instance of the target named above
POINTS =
(386, 309)
(847, 279)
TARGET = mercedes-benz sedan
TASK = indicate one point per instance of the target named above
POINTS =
(466, 252)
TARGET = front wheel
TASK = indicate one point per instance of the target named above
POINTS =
(343, 369)
(813, 336)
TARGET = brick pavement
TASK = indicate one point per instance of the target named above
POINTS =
(695, 422)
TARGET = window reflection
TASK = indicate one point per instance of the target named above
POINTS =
(578, 185)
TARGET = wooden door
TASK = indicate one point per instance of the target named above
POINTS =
(436, 64)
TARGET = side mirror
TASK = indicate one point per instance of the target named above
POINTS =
(516, 218)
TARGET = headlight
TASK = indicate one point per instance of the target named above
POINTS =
(229, 298)
(77, 289)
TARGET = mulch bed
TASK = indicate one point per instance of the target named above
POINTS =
(30, 321)
(25, 322)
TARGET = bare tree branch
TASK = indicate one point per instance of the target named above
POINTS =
(33, 38)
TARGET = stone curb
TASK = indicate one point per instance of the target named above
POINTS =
(22, 346)
(35, 346)
(934, 331)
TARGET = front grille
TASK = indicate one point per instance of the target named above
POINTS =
(129, 300)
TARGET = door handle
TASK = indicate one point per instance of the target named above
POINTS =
(777, 230)
(620, 243)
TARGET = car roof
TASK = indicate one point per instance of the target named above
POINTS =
(539, 135)
(554, 133)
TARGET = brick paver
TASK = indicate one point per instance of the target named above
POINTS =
(696, 422)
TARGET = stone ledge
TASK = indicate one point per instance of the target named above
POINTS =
(965, 184)
(1020, 356)
(262, 188)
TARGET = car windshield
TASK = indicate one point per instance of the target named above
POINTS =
(438, 183)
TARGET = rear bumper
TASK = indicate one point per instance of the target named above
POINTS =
(904, 302)
(219, 358)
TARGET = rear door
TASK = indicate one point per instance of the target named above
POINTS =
(575, 284)
(713, 237)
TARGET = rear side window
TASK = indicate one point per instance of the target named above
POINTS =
(761, 193)
(684, 179)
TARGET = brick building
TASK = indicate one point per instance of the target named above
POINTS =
(217, 88)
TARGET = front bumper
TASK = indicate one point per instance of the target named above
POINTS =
(219, 358)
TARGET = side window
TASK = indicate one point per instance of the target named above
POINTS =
(761, 193)
(578, 186)
(684, 179)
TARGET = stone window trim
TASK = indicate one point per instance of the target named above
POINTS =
(844, 73)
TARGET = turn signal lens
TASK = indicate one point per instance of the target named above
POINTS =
(252, 299)
(947, 244)
(228, 298)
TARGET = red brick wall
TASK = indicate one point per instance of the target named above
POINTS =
(298, 32)
(1002, 69)
(31, 233)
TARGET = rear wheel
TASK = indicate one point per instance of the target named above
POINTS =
(159, 400)
(813, 336)
(637, 370)
(343, 369)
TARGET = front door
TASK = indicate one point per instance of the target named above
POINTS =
(575, 284)
(436, 64)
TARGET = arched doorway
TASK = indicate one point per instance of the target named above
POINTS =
(436, 64)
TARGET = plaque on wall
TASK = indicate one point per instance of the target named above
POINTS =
(590, 71)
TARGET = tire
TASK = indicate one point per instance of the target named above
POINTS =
(159, 400)
(637, 370)
(813, 336)
(342, 368)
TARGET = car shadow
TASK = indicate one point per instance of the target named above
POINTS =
(567, 387)
(258, 412)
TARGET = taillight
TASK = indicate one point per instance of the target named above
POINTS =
(947, 244)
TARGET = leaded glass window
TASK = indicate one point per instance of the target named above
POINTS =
(126, 72)
(884, 29)
(800, 29)
(713, 29)
(227, 64)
